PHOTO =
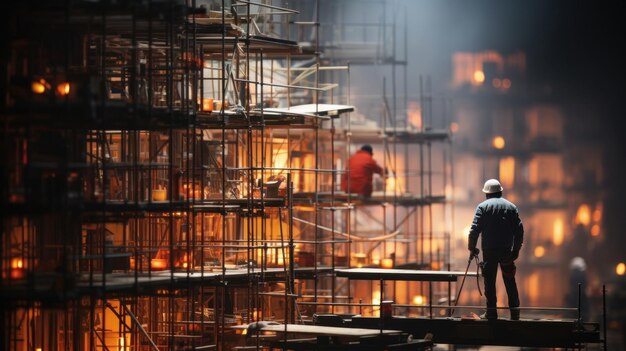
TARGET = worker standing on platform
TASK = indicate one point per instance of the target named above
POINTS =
(578, 275)
(503, 233)
(361, 167)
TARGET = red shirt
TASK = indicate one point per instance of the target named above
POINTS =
(362, 166)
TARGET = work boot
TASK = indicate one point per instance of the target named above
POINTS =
(489, 315)
(514, 314)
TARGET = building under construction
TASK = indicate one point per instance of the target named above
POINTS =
(171, 180)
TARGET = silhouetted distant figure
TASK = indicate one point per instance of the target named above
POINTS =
(578, 275)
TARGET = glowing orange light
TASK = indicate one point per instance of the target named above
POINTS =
(17, 263)
(375, 297)
(583, 215)
(375, 261)
(414, 113)
(540, 251)
(498, 142)
(507, 171)
(597, 214)
(454, 127)
(158, 263)
(557, 232)
(38, 87)
(360, 259)
(391, 183)
(496, 82)
(63, 89)
(418, 300)
(595, 230)
(620, 269)
(18, 268)
(159, 194)
(506, 83)
(281, 157)
(207, 104)
(535, 288)
(386, 263)
(479, 76)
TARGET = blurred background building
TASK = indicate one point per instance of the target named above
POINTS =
(507, 130)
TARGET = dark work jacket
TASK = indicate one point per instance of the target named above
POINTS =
(498, 220)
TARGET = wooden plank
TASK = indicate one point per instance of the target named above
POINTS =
(315, 109)
(503, 332)
(400, 274)
(315, 329)
(377, 198)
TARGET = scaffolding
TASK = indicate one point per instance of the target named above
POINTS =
(167, 173)
(171, 173)
(151, 153)
(395, 227)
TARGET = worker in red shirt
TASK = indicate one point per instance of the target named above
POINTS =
(361, 167)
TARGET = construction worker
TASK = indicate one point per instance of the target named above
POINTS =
(502, 235)
(578, 275)
(362, 167)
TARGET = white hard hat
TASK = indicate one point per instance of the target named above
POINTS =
(492, 186)
(578, 263)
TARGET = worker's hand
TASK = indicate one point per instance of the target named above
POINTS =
(474, 251)
(514, 255)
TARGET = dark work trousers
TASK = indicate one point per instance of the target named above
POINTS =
(492, 258)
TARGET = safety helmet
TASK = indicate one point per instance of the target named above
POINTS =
(492, 186)
(578, 263)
